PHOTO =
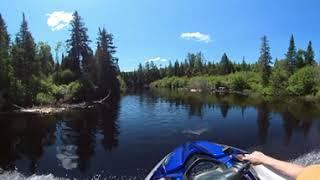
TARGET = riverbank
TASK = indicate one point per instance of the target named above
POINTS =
(237, 82)
(53, 109)
(59, 108)
(304, 83)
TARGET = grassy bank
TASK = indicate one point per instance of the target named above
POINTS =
(240, 81)
(304, 82)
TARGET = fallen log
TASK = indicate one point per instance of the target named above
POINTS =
(102, 101)
(18, 107)
(62, 107)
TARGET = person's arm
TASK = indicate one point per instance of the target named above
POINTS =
(289, 169)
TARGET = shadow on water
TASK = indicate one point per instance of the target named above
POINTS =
(296, 115)
(24, 136)
(70, 136)
(298, 108)
(128, 139)
(263, 121)
(77, 135)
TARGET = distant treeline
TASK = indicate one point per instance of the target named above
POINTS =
(193, 65)
(29, 75)
(296, 74)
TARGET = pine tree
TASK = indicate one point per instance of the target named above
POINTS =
(212, 70)
(300, 58)
(46, 59)
(64, 61)
(291, 56)
(57, 50)
(79, 53)
(176, 68)
(198, 64)
(309, 55)
(107, 63)
(154, 72)
(140, 76)
(244, 66)
(182, 69)
(24, 53)
(25, 65)
(4, 56)
(146, 73)
(276, 63)
(189, 64)
(226, 66)
(265, 61)
(170, 69)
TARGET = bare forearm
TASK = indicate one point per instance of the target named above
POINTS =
(289, 169)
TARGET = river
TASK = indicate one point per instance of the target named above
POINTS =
(127, 140)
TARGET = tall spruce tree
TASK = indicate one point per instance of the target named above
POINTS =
(4, 56)
(226, 66)
(25, 65)
(300, 62)
(107, 65)
(154, 74)
(291, 56)
(79, 53)
(244, 65)
(276, 63)
(198, 64)
(212, 70)
(170, 69)
(24, 53)
(182, 69)
(309, 55)
(140, 75)
(45, 58)
(176, 68)
(265, 61)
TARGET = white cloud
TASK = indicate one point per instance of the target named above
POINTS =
(196, 36)
(57, 20)
(157, 59)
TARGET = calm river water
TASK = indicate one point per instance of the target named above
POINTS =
(127, 140)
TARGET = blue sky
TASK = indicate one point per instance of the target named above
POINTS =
(169, 29)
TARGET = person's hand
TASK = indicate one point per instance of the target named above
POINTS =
(255, 158)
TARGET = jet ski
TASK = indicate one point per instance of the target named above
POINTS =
(203, 160)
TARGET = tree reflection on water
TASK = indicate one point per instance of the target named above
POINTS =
(24, 137)
(78, 132)
(297, 114)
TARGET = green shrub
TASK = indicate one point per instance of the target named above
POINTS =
(170, 82)
(43, 98)
(239, 83)
(47, 85)
(178, 82)
(49, 92)
(253, 79)
(304, 81)
(73, 90)
(279, 81)
(17, 91)
(266, 91)
(198, 82)
(64, 77)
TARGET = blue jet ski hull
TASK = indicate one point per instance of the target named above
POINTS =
(201, 160)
